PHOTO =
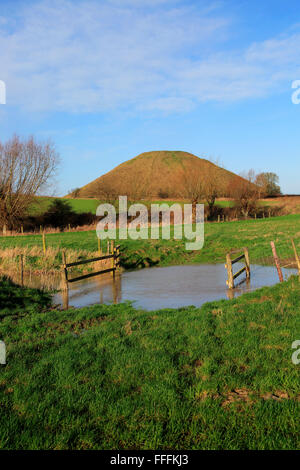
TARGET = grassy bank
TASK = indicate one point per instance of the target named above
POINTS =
(35, 261)
(219, 239)
(112, 377)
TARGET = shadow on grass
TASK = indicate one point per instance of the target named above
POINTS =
(15, 299)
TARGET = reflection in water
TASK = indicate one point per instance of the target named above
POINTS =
(154, 288)
(73, 296)
(171, 287)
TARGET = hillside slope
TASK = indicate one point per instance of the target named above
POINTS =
(156, 174)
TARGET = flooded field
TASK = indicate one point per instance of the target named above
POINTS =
(170, 287)
(154, 288)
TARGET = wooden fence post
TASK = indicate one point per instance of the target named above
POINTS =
(277, 262)
(64, 272)
(65, 299)
(113, 262)
(218, 218)
(22, 230)
(247, 262)
(4, 230)
(99, 245)
(22, 270)
(44, 243)
(296, 256)
(228, 265)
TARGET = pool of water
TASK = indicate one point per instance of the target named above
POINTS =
(169, 287)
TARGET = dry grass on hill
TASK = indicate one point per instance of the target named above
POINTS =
(156, 174)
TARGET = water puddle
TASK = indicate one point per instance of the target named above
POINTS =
(170, 287)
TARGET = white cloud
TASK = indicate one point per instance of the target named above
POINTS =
(91, 56)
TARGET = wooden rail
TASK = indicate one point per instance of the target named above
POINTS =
(114, 256)
(230, 262)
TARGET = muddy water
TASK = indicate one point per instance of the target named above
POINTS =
(169, 287)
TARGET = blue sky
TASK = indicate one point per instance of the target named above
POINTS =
(107, 80)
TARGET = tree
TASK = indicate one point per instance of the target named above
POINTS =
(213, 186)
(59, 214)
(74, 193)
(137, 185)
(245, 192)
(26, 166)
(105, 192)
(268, 184)
(193, 188)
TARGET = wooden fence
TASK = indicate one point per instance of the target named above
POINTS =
(245, 256)
(230, 262)
(115, 263)
(277, 261)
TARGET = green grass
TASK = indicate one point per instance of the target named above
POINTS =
(14, 300)
(219, 239)
(113, 377)
(78, 205)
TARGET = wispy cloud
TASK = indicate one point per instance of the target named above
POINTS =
(89, 56)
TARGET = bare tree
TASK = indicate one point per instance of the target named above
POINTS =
(26, 166)
(245, 192)
(268, 184)
(105, 192)
(75, 193)
(213, 185)
(192, 187)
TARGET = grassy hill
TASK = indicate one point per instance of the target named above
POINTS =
(155, 174)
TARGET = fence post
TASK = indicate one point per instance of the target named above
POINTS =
(4, 230)
(218, 218)
(247, 262)
(22, 270)
(228, 265)
(113, 262)
(64, 272)
(99, 245)
(22, 230)
(296, 256)
(277, 262)
(44, 243)
(118, 253)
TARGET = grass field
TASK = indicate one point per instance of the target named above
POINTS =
(112, 377)
(219, 239)
(78, 205)
(90, 205)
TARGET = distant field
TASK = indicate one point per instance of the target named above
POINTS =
(289, 205)
(90, 205)
(78, 205)
(219, 239)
